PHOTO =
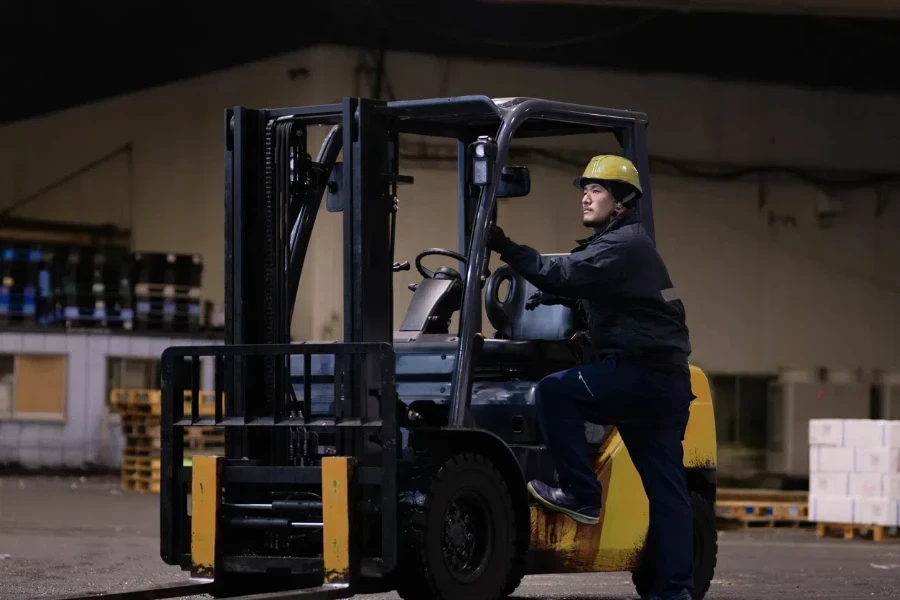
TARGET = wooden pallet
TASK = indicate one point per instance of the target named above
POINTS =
(756, 494)
(162, 290)
(141, 426)
(762, 508)
(850, 531)
(763, 513)
(149, 402)
(140, 412)
(140, 473)
(134, 402)
(140, 484)
(204, 438)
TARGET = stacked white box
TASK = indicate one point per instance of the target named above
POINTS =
(829, 484)
(890, 485)
(866, 485)
(826, 432)
(854, 467)
(878, 460)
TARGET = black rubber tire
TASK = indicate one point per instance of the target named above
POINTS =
(424, 572)
(706, 549)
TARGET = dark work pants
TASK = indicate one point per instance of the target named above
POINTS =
(650, 410)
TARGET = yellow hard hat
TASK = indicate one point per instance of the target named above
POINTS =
(609, 167)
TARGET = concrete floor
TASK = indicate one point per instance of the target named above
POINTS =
(70, 535)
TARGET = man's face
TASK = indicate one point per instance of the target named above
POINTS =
(597, 205)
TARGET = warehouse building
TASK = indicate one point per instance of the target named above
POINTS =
(775, 210)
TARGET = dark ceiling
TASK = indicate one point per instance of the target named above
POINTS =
(68, 55)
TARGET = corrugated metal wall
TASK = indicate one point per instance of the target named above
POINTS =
(79, 439)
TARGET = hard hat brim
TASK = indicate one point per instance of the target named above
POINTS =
(580, 182)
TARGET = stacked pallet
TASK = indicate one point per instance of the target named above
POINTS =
(167, 291)
(855, 476)
(109, 287)
(759, 507)
(92, 287)
(140, 412)
(25, 284)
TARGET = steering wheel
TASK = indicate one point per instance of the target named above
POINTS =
(427, 273)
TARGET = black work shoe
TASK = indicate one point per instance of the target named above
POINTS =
(556, 499)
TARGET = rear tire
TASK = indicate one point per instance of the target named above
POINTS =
(458, 534)
(706, 548)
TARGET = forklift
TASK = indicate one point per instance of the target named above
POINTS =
(397, 457)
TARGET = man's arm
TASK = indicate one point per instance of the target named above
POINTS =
(580, 275)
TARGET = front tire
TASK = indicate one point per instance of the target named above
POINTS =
(706, 550)
(459, 534)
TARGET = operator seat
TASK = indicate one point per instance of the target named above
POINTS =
(546, 331)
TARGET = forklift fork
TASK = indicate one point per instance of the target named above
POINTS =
(206, 504)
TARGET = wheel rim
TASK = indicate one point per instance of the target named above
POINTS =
(467, 535)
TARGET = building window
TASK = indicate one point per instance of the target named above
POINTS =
(741, 408)
(130, 374)
(33, 387)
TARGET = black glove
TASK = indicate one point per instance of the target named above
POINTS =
(535, 300)
(496, 239)
(538, 298)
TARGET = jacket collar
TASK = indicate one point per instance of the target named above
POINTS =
(627, 218)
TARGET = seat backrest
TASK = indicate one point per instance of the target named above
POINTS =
(512, 321)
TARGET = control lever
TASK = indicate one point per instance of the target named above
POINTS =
(404, 266)
(413, 287)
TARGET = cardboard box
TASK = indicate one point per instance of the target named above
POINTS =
(825, 459)
(863, 433)
(826, 432)
(878, 460)
(890, 486)
(877, 511)
(829, 484)
(832, 509)
(891, 434)
(866, 485)
(869, 433)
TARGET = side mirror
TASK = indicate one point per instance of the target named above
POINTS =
(515, 182)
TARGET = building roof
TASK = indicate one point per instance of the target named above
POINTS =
(74, 54)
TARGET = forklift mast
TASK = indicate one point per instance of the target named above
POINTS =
(264, 395)
(273, 194)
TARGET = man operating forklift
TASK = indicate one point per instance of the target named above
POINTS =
(638, 379)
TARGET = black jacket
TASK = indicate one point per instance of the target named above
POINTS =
(618, 281)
